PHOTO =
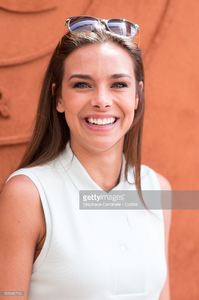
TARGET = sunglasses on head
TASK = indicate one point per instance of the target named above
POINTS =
(118, 26)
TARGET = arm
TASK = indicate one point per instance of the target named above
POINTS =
(20, 229)
(165, 294)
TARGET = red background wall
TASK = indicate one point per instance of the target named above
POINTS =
(29, 31)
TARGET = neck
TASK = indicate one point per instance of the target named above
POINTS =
(103, 166)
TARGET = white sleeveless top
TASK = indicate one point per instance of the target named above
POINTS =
(95, 254)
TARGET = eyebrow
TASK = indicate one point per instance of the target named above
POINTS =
(88, 77)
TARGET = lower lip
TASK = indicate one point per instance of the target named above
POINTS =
(100, 127)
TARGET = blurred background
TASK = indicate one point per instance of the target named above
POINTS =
(30, 30)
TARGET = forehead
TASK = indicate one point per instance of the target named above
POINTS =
(99, 59)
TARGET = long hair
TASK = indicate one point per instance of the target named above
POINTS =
(51, 132)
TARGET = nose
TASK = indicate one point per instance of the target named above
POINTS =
(101, 99)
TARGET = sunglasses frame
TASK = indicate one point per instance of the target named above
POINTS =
(104, 22)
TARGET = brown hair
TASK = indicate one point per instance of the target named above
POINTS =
(51, 132)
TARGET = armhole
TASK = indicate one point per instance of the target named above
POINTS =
(160, 214)
(155, 188)
(47, 215)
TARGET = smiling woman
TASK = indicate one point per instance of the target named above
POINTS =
(99, 106)
(87, 136)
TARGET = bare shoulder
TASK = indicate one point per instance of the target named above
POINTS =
(19, 183)
(21, 199)
(20, 202)
(21, 192)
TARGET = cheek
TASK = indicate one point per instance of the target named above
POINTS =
(128, 104)
(72, 112)
(128, 108)
(73, 102)
(70, 106)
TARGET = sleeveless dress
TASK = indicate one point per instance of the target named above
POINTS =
(95, 254)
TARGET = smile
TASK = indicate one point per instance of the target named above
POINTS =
(101, 121)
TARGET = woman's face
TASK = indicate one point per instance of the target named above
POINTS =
(98, 96)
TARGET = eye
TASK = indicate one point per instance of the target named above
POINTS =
(81, 85)
(119, 85)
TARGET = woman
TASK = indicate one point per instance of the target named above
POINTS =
(87, 137)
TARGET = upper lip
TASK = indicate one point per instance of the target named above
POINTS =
(97, 116)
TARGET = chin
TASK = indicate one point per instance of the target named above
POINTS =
(101, 146)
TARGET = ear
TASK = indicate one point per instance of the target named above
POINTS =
(140, 88)
(59, 107)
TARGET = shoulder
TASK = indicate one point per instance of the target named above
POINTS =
(21, 181)
(20, 202)
(20, 192)
(151, 180)
(19, 184)
(147, 171)
(164, 183)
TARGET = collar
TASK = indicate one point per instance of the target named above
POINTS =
(79, 175)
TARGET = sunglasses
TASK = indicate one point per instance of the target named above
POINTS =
(86, 23)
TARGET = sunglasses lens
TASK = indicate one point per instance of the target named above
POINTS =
(122, 27)
(82, 24)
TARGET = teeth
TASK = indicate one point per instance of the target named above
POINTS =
(101, 121)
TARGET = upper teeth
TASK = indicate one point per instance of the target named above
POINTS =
(101, 121)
